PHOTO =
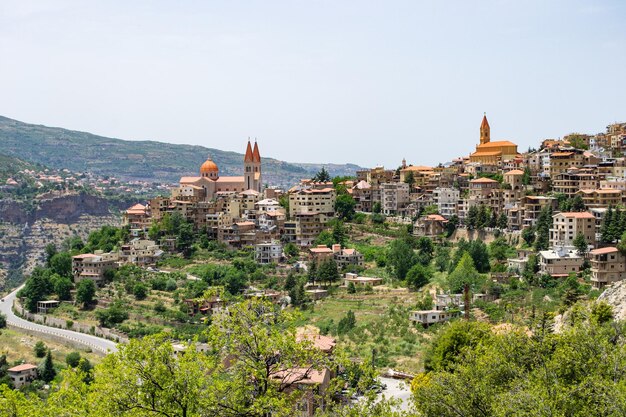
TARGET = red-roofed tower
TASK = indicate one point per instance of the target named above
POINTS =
(485, 134)
(252, 168)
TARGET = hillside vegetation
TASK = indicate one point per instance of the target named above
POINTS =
(145, 160)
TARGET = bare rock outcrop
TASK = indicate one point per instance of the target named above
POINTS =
(615, 296)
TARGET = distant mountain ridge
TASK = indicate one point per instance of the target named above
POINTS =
(138, 160)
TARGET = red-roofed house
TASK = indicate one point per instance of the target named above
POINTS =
(22, 374)
(432, 225)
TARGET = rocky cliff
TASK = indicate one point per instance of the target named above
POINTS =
(615, 295)
(26, 228)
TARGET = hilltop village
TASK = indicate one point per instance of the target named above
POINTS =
(383, 271)
(579, 181)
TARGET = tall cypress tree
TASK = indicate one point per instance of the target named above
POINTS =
(48, 373)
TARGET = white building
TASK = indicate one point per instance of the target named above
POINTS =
(447, 200)
(428, 317)
(268, 252)
(394, 197)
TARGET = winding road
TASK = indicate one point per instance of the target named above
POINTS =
(92, 342)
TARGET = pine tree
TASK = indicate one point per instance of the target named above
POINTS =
(580, 243)
(472, 217)
(605, 229)
(48, 373)
(502, 222)
(542, 241)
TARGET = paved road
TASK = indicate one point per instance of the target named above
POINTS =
(93, 342)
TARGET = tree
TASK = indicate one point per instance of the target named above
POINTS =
(269, 361)
(40, 349)
(622, 243)
(328, 271)
(140, 291)
(322, 176)
(48, 372)
(146, 377)
(115, 314)
(50, 250)
(85, 292)
(418, 276)
(464, 273)
(298, 295)
(347, 323)
(62, 287)
(526, 176)
(401, 258)
(453, 223)
(578, 204)
(312, 271)
(339, 233)
(290, 281)
(528, 234)
(3, 321)
(37, 287)
(606, 230)
(601, 312)
(499, 249)
(571, 290)
(480, 255)
(291, 250)
(344, 206)
(72, 359)
(502, 222)
(376, 207)
(580, 243)
(351, 288)
(409, 178)
(472, 217)
(61, 263)
(185, 238)
(544, 222)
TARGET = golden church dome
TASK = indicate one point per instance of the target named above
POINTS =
(208, 166)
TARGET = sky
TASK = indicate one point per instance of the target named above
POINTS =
(324, 81)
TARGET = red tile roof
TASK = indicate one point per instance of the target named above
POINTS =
(603, 251)
(22, 367)
(248, 157)
(577, 215)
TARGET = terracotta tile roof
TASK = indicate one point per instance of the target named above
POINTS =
(188, 180)
(321, 249)
(230, 179)
(305, 376)
(436, 217)
(562, 154)
(323, 343)
(483, 153)
(84, 256)
(256, 156)
(484, 123)
(495, 144)
(483, 181)
(577, 215)
(22, 367)
(248, 156)
(603, 251)
(514, 172)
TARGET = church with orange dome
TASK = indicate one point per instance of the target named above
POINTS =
(491, 153)
(209, 183)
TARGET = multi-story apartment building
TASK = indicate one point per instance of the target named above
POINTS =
(310, 200)
(601, 197)
(268, 252)
(570, 182)
(559, 262)
(566, 226)
(532, 208)
(137, 218)
(561, 161)
(447, 200)
(608, 265)
(362, 194)
(140, 252)
(394, 197)
(93, 266)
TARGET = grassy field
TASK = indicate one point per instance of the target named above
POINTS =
(18, 346)
(383, 331)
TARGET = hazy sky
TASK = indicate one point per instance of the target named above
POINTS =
(368, 82)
